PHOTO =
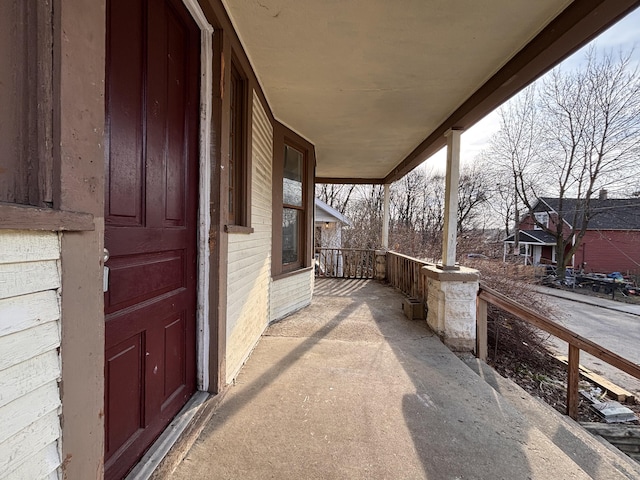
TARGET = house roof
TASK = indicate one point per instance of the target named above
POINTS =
(374, 84)
(536, 237)
(608, 214)
(325, 213)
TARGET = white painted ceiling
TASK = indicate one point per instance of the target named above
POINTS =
(367, 80)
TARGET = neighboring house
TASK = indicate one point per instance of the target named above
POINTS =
(611, 242)
(328, 235)
(158, 160)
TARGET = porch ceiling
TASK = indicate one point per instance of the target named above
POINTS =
(374, 84)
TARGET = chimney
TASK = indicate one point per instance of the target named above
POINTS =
(603, 194)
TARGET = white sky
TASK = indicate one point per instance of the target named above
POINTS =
(623, 36)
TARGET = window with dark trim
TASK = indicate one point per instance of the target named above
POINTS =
(238, 214)
(293, 207)
(293, 174)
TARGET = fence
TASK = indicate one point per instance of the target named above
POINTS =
(356, 263)
(576, 342)
(405, 273)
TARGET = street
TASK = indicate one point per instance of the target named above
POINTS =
(616, 331)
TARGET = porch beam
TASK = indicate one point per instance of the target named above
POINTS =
(449, 236)
(385, 218)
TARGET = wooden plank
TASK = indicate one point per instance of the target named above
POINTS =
(28, 311)
(21, 413)
(28, 246)
(29, 375)
(21, 217)
(39, 465)
(573, 377)
(615, 391)
(17, 449)
(21, 346)
(559, 331)
(23, 278)
(613, 431)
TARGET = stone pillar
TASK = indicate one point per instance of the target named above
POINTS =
(381, 265)
(451, 304)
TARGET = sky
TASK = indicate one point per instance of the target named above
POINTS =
(623, 36)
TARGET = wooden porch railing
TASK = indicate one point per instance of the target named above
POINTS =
(405, 273)
(576, 342)
(359, 263)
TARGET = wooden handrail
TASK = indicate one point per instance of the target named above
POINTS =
(575, 341)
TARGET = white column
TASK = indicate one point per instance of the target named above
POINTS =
(449, 234)
(385, 219)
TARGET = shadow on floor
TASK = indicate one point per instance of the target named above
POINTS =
(348, 388)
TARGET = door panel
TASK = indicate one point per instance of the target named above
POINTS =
(153, 62)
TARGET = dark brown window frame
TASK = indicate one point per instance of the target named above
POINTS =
(27, 174)
(283, 136)
(239, 162)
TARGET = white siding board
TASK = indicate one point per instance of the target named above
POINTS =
(29, 277)
(21, 346)
(29, 357)
(42, 464)
(24, 377)
(14, 417)
(18, 246)
(290, 294)
(38, 435)
(27, 311)
(249, 256)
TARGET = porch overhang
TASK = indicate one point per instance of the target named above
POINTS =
(374, 85)
(532, 237)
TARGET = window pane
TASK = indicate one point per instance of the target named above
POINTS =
(290, 235)
(292, 178)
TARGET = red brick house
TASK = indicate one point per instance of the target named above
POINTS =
(611, 242)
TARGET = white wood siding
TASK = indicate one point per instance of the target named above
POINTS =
(290, 294)
(249, 263)
(29, 359)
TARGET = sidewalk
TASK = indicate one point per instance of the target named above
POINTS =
(348, 388)
(596, 301)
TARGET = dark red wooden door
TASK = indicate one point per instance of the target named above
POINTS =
(153, 62)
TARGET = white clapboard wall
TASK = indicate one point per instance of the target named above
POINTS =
(249, 263)
(29, 359)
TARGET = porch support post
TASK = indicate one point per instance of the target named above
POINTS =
(385, 219)
(449, 235)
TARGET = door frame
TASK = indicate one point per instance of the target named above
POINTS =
(203, 345)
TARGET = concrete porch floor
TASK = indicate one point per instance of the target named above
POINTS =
(348, 388)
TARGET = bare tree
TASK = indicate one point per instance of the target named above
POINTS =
(473, 192)
(335, 195)
(578, 133)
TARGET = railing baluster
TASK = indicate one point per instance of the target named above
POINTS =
(481, 329)
(573, 376)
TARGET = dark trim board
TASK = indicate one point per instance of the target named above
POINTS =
(359, 181)
(21, 217)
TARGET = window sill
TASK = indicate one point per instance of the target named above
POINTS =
(291, 273)
(238, 229)
(25, 217)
